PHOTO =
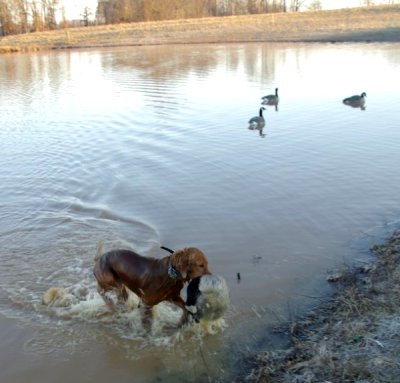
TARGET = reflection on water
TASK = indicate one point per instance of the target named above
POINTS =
(272, 103)
(147, 146)
(258, 122)
(259, 127)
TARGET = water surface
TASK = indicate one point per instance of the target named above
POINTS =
(149, 146)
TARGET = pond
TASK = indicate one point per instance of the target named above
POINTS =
(148, 146)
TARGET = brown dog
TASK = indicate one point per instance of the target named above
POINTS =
(153, 280)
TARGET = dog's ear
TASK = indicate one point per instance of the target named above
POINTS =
(181, 261)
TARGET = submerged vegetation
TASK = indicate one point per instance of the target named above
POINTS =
(355, 337)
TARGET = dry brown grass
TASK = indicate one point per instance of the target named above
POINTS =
(379, 23)
(355, 337)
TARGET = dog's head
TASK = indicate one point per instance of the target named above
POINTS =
(190, 262)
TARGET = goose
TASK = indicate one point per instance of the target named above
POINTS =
(271, 98)
(355, 100)
(258, 119)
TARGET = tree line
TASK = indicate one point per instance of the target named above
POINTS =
(23, 16)
(121, 11)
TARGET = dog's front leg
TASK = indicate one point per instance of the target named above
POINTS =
(122, 295)
(185, 314)
(107, 300)
(147, 317)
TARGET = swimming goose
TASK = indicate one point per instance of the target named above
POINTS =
(258, 119)
(271, 98)
(355, 100)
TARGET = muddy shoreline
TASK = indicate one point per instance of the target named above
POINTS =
(352, 337)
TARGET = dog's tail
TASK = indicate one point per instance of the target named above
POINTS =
(99, 250)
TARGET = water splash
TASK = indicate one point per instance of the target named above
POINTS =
(81, 303)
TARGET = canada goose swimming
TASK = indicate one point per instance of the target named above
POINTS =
(258, 119)
(355, 100)
(271, 98)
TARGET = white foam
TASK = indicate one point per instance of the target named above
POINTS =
(84, 303)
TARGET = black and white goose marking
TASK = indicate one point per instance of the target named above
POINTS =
(271, 98)
(257, 120)
(356, 99)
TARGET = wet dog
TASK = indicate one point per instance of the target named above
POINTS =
(152, 280)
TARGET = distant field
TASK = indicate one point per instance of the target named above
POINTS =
(375, 23)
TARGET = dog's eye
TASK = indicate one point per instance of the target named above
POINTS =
(201, 265)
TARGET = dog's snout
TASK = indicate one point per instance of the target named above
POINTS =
(205, 270)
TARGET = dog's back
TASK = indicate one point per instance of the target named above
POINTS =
(120, 266)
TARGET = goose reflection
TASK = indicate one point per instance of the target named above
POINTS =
(271, 103)
(258, 122)
(260, 127)
(356, 101)
(271, 99)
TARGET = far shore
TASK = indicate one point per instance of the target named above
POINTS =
(364, 24)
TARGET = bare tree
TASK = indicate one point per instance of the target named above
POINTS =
(252, 6)
(295, 5)
(86, 16)
(21, 9)
(49, 8)
(22, 16)
(37, 21)
(6, 20)
(64, 22)
(315, 5)
(118, 11)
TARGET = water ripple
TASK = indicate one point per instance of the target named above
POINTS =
(146, 146)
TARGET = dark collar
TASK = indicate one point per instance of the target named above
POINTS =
(173, 273)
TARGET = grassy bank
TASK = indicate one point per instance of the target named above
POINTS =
(375, 23)
(355, 337)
